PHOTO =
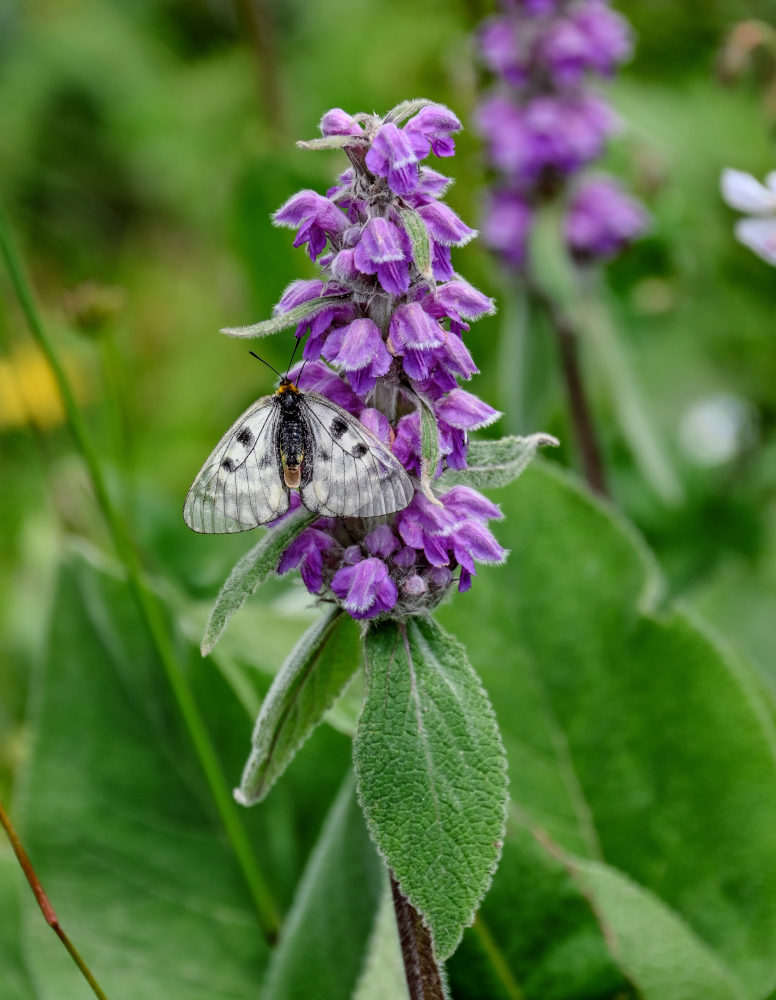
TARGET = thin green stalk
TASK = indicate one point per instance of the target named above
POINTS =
(513, 351)
(497, 960)
(635, 421)
(146, 600)
(45, 904)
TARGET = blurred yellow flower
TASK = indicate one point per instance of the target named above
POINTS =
(28, 392)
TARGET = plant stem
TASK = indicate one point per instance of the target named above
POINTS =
(581, 415)
(256, 15)
(497, 960)
(424, 978)
(147, 602)
(44, 903)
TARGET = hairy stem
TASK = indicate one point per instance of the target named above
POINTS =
(147, 602)
(581, 415)
(424, 978)
(44, 903)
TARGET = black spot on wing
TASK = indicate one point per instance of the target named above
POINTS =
(228, 464)
(245, 437)
(359, 449)
(337, 427)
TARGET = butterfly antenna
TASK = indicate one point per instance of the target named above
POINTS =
(266, 363)
(293, 355)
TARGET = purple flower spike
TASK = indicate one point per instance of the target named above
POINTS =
(366, 589)
(431, 129)
(339, 122)
(392, 156)
(542, 123)
(390, 334)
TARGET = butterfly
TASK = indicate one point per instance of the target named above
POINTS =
(294, 440)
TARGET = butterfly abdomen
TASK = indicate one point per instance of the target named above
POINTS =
(292, 436)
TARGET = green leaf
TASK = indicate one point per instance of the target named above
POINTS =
(250, 572)
(497, 463)
(634, 739)
(431, 773)
(116, 816)
(415, 228)
(332, 142)
(429, 447)
(657, 950)
(307, 685)
(15, 982)
(382, 977)
(282, 321)
(407, 109)
(328, 929)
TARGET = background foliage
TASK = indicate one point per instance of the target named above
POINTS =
(143, 147)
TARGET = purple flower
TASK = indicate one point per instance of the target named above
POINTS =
(444, 226)
(609, 36)
(306, 553)
(365, 589)
(602, 220)
(358, 349)
(465, 411)
(499, 48)
(507, 225)
(316, 218)
(393, 156)
(384, 250)
(339, 122)
(431, 130)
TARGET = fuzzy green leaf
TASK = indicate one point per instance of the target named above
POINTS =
(327, 931)
(250, 572)
(332, 142)
(429, 446)
(415, 228)
(431, 773)
(496, 463)
(283, 320)
(634, 738)
(306, 686)
(118, 820)
(406, 110)
(657, 950)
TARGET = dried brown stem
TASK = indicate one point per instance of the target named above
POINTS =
(45, 904)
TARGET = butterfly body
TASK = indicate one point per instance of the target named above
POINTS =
(294, 440)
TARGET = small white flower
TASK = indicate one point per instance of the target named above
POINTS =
(744, 192)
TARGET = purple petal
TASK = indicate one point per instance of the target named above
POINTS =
(377, 423)
(412, 328)
(466, 411)
(339, 122)
(392, 156)
(444, 226)
(382, 541)
(465, 503)
(365, 589)
(433, 125)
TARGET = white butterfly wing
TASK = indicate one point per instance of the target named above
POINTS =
(353, 473)
(240, 485)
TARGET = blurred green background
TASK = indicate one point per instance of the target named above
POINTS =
(143, 146)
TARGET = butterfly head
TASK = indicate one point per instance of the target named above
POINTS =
(286, 386)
